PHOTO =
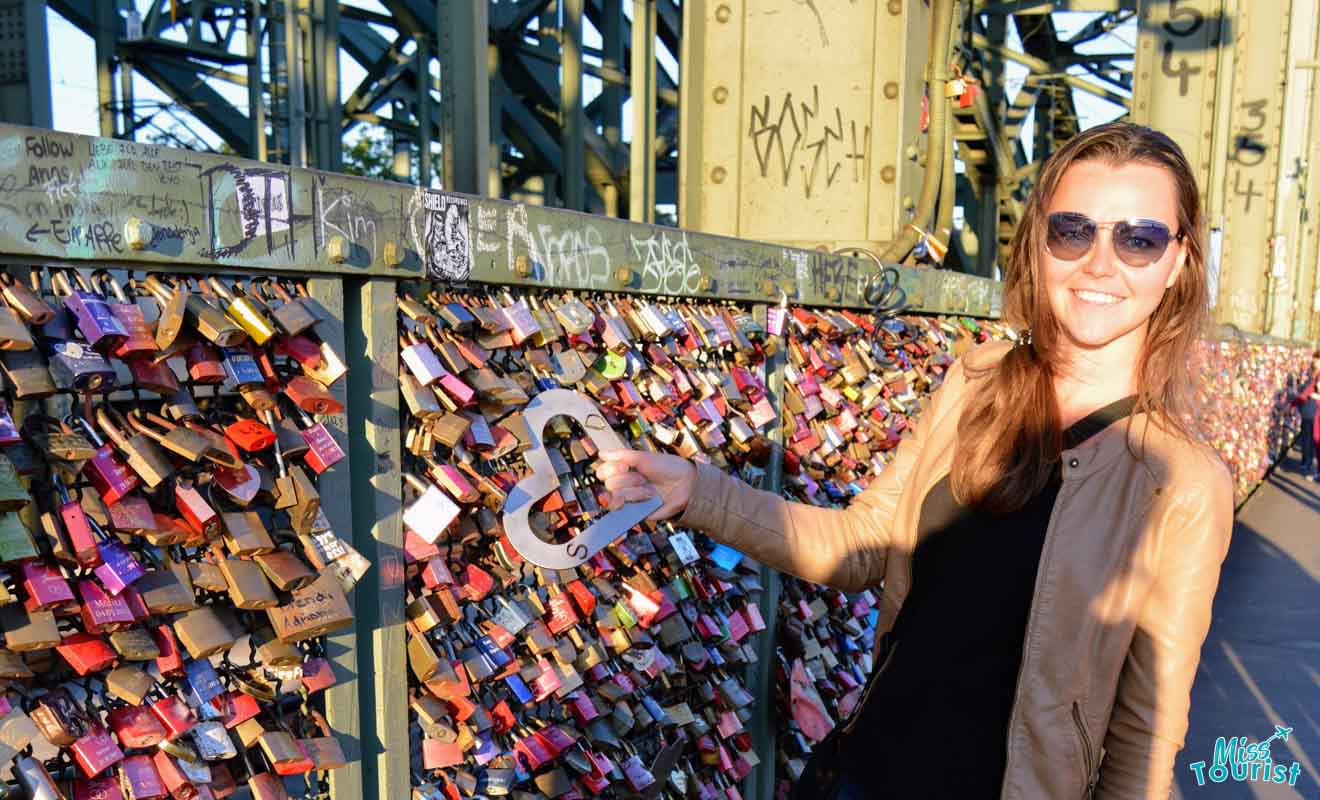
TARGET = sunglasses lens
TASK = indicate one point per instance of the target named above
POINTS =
(1142, 243)
(1070, 236)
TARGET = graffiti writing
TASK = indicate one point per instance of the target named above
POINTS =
(667, 263)
(257, 199)
(790, 134)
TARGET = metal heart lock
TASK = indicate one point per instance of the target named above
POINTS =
(543, 480)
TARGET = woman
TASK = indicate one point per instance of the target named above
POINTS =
(1049, 535)
(1309, 435)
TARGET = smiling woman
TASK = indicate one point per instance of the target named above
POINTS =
(1049, 534)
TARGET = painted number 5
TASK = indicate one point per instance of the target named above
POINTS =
(542, 480)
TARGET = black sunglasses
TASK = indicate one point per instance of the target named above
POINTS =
(1138, 242)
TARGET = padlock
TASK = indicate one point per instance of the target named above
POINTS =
(202, 632)
(26, 302)
(247, 584)
(195, 510)
(152, 375)
(241, 368)
(290, 313)
(135, 726)
(420, 359)
(245, 533)
(107, 471)
(138, 340)
(118, 569)
(322, 451)
(46, 587)
(181, 406)
(329, 367)
(86, 653)
(142, 454)
(206, 316)
(203, 361)
(244, 312)
(35, 781)
(249, 434)
(102, 330)
(14, 333)
(77, 367)
(140, 778)
(28, 373)
(183, 442)
(311, 396)
(82, 539)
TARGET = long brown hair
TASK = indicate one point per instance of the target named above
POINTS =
(1010, 433)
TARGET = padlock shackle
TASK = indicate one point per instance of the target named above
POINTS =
(113, 424)
(416, 483)
(59, 283)
(82, 282)
(141, 426)
(105, 279)
(219, 287)
(159, 287)
(273, 424)
(87, 426)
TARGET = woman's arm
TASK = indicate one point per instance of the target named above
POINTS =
(845, 548)
(1154, 690)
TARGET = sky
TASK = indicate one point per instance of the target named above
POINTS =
(73, 81)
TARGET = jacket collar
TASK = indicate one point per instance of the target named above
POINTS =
(1099, 451)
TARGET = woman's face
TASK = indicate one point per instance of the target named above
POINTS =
(1097, 299)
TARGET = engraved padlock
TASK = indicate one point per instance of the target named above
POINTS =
(241, 368)
(76, 366)
(107, 470)
(118, 568)
(91, 312)
(323, 452)
(139, 340)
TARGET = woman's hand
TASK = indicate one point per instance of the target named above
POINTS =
(632, 475)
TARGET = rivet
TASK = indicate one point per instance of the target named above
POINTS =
(887, 173)
(703, 285)
(337, 249)
(895, 7)
(393, 254)
(788, 288)
(891, 89)
(720, 94)
(522, 267)
(718, 175)
(137, 233)
(832, 293)
(767, 287)
(723, 13)
(623, 276)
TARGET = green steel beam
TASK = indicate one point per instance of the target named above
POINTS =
(209, 211)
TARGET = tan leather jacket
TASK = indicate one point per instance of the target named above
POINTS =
(1122, 599)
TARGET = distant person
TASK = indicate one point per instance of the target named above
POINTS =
(1305, 402)
(1050, 534)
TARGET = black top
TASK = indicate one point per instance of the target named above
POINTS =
(934, 722)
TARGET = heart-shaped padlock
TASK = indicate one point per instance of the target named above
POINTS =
(542, 480)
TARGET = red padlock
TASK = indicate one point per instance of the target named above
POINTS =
(96, 751)
(136, 726)
(250, 435)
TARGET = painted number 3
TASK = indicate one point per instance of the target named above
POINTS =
(542, 481)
